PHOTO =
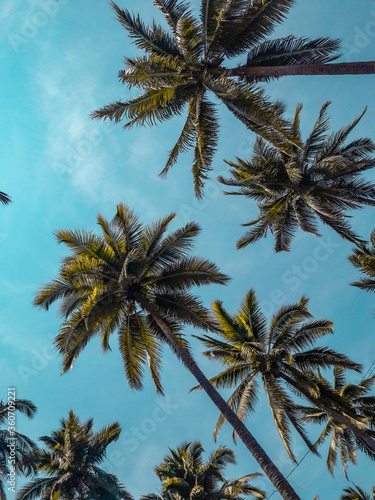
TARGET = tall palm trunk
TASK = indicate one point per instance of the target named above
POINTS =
(352, 68)
(269, 468)
(341, 419)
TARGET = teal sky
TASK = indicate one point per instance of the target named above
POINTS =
(59, 63)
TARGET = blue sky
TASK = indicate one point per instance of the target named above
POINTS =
(59, 63)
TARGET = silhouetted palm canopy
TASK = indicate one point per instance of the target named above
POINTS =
(180, 67)
(102, 283)
(343, 440)
(8, 437)
(4, 198)
(357, 493)
(364, 259)
(301, 186)
(282, 356)
(71, 462)
(185, 476)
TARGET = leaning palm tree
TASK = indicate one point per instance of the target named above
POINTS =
(181, 67)
(4, 198)
(281, 356)
(71, 462)
(135, 280)
(364, 259)
(357, 493)
(185, 476)
(14, 447)
(298, 187)
(343, 440)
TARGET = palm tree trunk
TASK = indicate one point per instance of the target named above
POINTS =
(338, 417)
(352, 68)
(269, 468)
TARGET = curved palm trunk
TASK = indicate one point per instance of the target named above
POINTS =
(352, 68)
(361, 434)
(269, 468)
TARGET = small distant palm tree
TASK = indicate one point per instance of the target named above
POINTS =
(357, 493)
(9, 437)
(4, 198)
(185, 476)
(364, 259)
(136, 281)
(300, 186)
(71, 462)
(181, 67)
(343, 440)
(281, 355)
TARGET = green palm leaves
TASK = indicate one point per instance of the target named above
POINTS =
(300, 186)
(357, 493)
(281, 356)
(364, 259)
(185, 476)
(107, 279)
(4, 198)
(71, 460)
(343, 440)
(180, 67)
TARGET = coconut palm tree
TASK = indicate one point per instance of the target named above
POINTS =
(14, 447)
(356, 493)
(281, 356)
(135, 280)
(342, 438)
(182, 66)
(4, 198)
(297, 188)
(71, 461)
(364, 259)
(185, 476)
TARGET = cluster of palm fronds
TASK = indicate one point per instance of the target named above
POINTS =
(283, 357)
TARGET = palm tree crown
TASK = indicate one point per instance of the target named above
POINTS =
(185, 476)
(180, 67)
(102, 284)
(343, 440)
(71, 462)
(299, 186)
(280, 355)
(22, 444)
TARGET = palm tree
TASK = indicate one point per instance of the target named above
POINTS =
(343, 439)
(185, 476)
(356, 493)
(299, 187)
(281, 355)
(135, 280)
(71, 462)
(14, 447)
(179, 68)
(4, 198)
(364, 259)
